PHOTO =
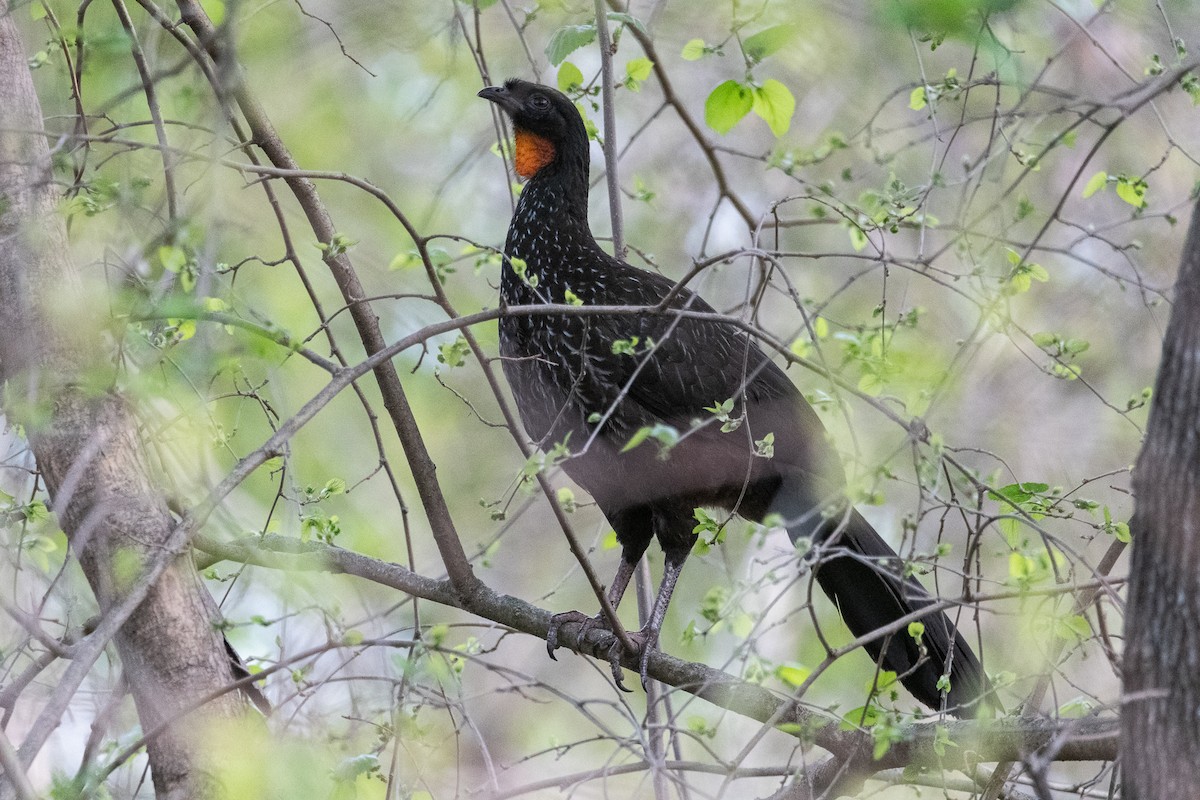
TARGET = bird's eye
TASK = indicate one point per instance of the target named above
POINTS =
(539, 101)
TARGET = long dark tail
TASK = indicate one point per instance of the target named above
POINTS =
(861, 574)
(249, 690)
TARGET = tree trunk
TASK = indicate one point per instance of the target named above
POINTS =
(1160, 732)
(86, 446)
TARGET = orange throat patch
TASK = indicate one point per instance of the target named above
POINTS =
(533, 153)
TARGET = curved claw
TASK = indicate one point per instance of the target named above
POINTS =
(644, 640)
(649, 641)
(618, 673)
(585, 623)
(644, 665)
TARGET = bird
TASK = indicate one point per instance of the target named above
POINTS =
(592, 388)
(248, 689)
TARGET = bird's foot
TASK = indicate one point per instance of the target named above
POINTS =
(584, 622)
(648, 639)
(644, 641)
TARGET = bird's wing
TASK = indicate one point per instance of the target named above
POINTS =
(681, 367)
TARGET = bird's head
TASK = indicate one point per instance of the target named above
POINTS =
(549, 129)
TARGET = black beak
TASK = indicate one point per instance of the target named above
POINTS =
(501, 97)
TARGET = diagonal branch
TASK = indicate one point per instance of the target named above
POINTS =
(424, 471)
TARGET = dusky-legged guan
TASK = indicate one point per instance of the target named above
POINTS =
(594, 381)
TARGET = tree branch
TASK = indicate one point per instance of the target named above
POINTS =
(424, 471)
(85, 443)
(1092, 739)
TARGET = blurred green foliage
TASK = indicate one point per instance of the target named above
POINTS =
(930, 183)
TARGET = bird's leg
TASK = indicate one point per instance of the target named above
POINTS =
(647, 637)
(615, 592)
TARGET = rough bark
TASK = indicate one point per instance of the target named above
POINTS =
(86, 446)
(1160, 733)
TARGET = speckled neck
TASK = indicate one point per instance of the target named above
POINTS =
(549, 229)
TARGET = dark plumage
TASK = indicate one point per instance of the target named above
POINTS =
(571, 387)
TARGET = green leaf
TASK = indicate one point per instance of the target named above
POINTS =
(454, 354)
(37, 512)
(1045, 339)
(726, 105)
(567, 40)
(713, 603)
(39, 547)
(858, 237)
(665, 435)
(627, 19)
(569, 77)
(1021, 567)
(700, 727)
(1018, 492)
(1067, 372)
(767, 42)
(916, 98)
(172, 258)
(774, 103)
(404, 260)
(350, 768)
(437, 634)
(793, 674)
(885, 736)
(705, 523)
(639, 437)
(885, 679)
(1095, 184)
(187, 276)
(861, 717)
(1074, 709)
(625, 347)
(694, 50)
(566, 499)
(1024, 274)
(37, 11)
(1132, 191)
(942, 740)
(639, 69)
(916, 630)
(1074, 628)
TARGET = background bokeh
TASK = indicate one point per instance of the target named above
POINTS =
(940, 246)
